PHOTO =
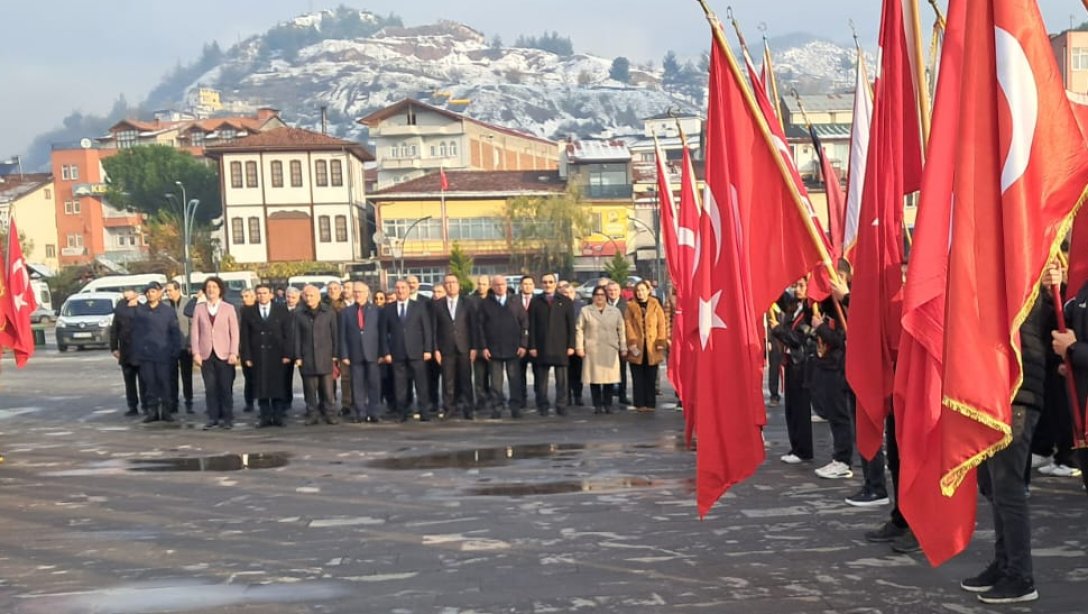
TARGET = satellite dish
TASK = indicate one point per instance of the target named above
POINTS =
(85, 143)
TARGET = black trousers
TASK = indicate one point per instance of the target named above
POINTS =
(620, 389)
(389, 397)
(540, 373)
(155, 376)
(434, 372)
(774, 369)
(515, 383)
(135, 393)
(524, 363)
(481, 380)
(1001, 481)
(873, 471)
(798, 413)
(643, 378)
(416, 371)
(601, 395)
(184, 369)
(828, 392)
(456, 371)
(891, 444)
(574, 376)
(218, 379)
(289, 384)
(347, 390)
(366, 388)
(249, 388)
(319, 394)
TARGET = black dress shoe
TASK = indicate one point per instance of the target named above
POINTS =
(226, 426)
(371, 419)
(425, 418)
(248, 409)
(152, 417)
(167, 417)
(264, 424)
(209, 426)
(403, 419)
(496, 414)
(132, 412)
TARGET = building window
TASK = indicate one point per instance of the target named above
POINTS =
(434, 151)
(48, 194)
(69, 172)
(337, 173)
(341, 229)
(126, 238)
(251, 174)
(126, 138)
(64, 172)
(323, 229)
(411, 116)
(429, 230)
(50, 250)
(235, 174)
(196, 137)
(442, 149)
(227, 134)
(296, 174)
(321, 173)
(277, 174)
(1080, 58)
(427, 275)
(608, 181)
(393, 151)
(71, 207)
(75, 240)
(453, 148)
(237, 231)
(476, 229)
(254, 230)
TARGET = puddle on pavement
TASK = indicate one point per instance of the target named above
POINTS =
(482, 457)
(573, 486)
(499, 456)
(224, 462)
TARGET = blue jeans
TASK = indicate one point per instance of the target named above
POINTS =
(1001, 481)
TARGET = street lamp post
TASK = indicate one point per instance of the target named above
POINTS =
(657, 246)
(188, 218)
(404, 240)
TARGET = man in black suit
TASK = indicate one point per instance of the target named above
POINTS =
(406, 325)
(481, 370)
(524, 299)
(316, 343)
(264, 330)
(504, 336)
(551, 343)
(455, 346)
(121, 346)
(616, 300)
(361, 347)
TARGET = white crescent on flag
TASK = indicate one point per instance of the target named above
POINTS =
(1017, 81)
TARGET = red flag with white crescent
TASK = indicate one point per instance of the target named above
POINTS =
(18, 299)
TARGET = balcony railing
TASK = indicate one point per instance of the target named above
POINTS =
(617, 192)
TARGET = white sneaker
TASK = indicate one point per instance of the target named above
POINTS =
(835, 470)
(817, 418)
(790, 459)
(1038, 460)
(1048, 468)
(1064, 471)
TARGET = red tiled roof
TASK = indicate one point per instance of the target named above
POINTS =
(397, 107)
(477, 182)
(289, 139)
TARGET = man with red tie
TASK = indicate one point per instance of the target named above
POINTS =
(361, 347)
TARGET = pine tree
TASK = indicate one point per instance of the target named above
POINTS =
(621, 70)
(461, 266)
(618, 268)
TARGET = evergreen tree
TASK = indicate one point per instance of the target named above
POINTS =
(461, 266)
(618, 268)
(671, 66)
(621, 70)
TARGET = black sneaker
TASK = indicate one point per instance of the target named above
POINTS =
(983, 581)
(1010, 589)
(887, 532)
(906, 544)
(867, 498)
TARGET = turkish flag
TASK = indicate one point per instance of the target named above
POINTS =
(893, 169)
(859, 154)
(18, 301)
(1021, 171)
(835, 200)
(670, 229)
(443, 179)
(1078, 240)
(690, 211)
(943, 525)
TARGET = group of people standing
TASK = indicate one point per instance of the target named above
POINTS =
(807, 347)
(394, 355)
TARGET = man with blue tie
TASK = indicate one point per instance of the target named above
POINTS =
(361, 348)
(406, 326)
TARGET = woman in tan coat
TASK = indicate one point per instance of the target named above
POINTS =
(647, 338)
(599, 340)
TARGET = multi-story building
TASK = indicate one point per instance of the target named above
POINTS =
(293, 195)
(29, 199)
(470, 212)
(601, 172)
(832, 116)
(187, 132)
(412, 138)
(87, 225)
(1071, 51)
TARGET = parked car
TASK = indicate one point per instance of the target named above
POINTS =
(43, 314)
(85, 320)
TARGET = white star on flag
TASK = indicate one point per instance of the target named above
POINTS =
(18, 288)
(709, 318)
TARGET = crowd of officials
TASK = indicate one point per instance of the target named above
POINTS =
(393, 355)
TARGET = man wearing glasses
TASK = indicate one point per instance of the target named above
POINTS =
(551, 343)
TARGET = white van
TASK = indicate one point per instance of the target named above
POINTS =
(236, 280)
(42, 294)
(85, 319)
(120, 283)
(301, 281)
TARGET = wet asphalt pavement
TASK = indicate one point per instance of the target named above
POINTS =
(584, 513)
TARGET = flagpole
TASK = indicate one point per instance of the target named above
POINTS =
(764, 129)
(1070, 383)
(922, 89)
(774, 80)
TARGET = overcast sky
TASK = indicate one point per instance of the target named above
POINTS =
(61, 55)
